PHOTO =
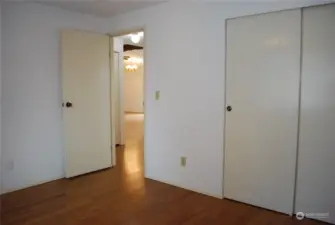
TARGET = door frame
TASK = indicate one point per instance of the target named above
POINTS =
(120, 88)
(120, 73)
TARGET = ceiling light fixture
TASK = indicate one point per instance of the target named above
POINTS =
(135, 38)
(131, 68)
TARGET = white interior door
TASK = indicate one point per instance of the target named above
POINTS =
(262, 87)
(86, 85)
(316, 158)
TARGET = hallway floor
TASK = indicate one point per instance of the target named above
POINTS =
(121, 196)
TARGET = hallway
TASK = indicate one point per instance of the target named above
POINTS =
(121, 196)
(130, 156)
(134, 125)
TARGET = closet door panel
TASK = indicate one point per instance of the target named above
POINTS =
(263, 69)
(316, 161)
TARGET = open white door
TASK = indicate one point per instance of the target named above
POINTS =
(86, 84)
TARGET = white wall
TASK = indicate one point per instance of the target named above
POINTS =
(187, 121)
(133, 90)
(184, 49)
(31, 91)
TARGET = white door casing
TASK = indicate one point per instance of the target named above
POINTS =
(116, 74)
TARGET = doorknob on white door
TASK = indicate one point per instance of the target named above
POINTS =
(67, 104)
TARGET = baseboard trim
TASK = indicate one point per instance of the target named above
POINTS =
(183, 187)
(10, 190)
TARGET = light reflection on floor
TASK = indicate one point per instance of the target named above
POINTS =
(134, 139)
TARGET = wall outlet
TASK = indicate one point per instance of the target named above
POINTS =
(157, 95)
(183, 161)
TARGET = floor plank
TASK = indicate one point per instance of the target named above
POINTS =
(121, 196)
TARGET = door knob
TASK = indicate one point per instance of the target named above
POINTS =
(68, 104)
(229, 108)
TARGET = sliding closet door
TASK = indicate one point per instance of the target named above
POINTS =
(316, 161)
(262, 88)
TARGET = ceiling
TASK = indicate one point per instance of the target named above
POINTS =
(101, 8)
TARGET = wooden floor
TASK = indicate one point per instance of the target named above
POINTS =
(121, 195)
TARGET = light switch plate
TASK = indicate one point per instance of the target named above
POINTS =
(157, 95)
(183, 161)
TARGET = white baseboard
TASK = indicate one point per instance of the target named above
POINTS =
(183, 187)
(28, 186)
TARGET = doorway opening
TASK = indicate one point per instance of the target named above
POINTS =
(129, 101)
